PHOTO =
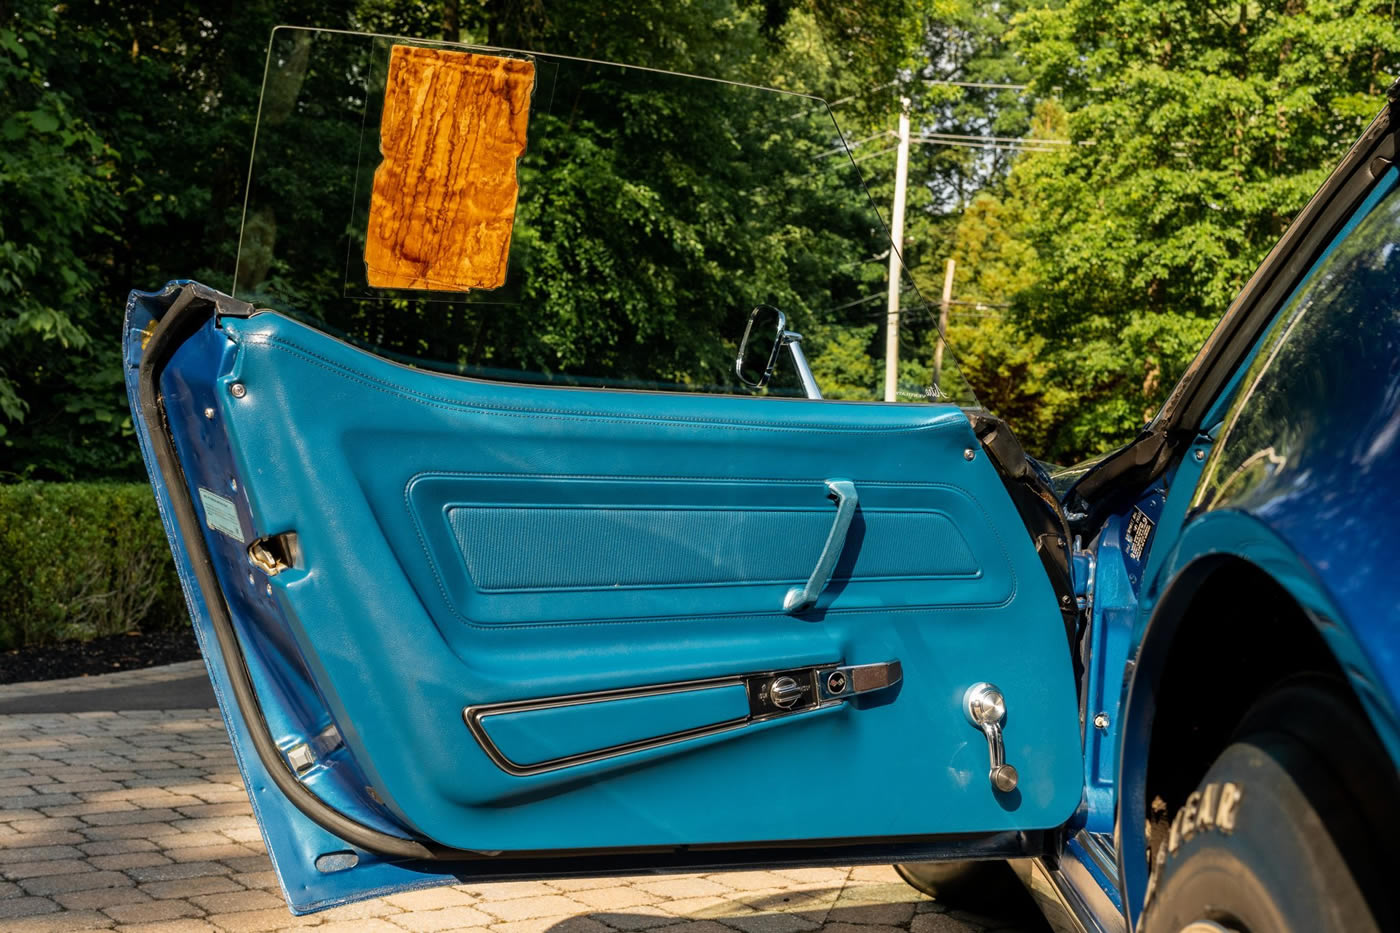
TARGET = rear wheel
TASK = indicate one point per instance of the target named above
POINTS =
(1287, 831)
(948, 882)
(987, 892)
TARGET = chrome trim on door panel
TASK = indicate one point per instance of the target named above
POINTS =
(809, 684)
(475, 716)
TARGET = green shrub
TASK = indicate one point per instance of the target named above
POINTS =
(79, 560)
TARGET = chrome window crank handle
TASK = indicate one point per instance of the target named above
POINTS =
(985, 707)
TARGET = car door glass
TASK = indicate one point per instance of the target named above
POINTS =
(653, 211)
(1314, 351)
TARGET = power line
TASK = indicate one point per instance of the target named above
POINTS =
(958, 144)
(1020, 140)
(907, 288)
(913, 312)
(860, 94)
(874, 154)
(985, 85)
(1017, 143)
(851, 304)
(975, 309)
(847, 146)
(961, 302)
(974, 303)
(979, 84)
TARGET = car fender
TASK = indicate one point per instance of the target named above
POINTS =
(1206, 546)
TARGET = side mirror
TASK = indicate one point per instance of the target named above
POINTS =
(758, 351)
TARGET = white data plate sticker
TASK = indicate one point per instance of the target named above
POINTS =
(221, 514)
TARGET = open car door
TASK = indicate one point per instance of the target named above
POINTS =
(465, 626)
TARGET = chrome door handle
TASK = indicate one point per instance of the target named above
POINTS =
(848, 680)
(802, 598)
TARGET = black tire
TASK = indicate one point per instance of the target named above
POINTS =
(950, 882)
(988, 889)
(1289, 831)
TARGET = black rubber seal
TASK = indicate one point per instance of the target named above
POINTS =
(191, 309)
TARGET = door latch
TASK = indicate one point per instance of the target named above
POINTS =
(805, 688)
(985, 707)
(274, 553)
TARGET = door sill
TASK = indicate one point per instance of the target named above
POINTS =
(1073, 896)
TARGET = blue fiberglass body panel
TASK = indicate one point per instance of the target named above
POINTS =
(1310, 445)
(404, 608)
(1302, 480)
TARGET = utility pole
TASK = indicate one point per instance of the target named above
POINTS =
(451, 23)
(943, 306)
(901, 178)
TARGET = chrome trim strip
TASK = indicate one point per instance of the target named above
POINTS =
(857, 680)
(1063, 902)
(474, 716)
(1098, 848)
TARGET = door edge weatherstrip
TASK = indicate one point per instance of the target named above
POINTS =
(180, 321)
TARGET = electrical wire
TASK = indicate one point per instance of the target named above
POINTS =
(985, 85)
(874, 154)
(990, 85)
(959, 144)
(1018, 140)
(847, 146)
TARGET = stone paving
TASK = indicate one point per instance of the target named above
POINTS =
(150, 675)
(137, 821)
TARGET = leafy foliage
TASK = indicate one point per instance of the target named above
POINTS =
(1087, 276)
(56, 194)
(82, 560)
(139, 177)
(1199, 133)
(655, 211)
(126, 132)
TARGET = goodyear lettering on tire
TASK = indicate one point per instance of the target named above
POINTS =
(1214, 807)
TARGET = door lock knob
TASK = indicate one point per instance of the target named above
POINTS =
(985, 707)
(784, 692)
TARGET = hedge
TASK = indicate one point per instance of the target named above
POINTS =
(79, 560)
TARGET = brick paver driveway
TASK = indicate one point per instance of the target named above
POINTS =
(136, 820)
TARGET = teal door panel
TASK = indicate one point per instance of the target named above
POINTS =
(383, 472)
(531, 620)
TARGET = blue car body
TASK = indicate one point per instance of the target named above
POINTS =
(526, 631)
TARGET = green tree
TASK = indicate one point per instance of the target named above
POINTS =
(1199, 133)
(1013, 369)
(128, 128)
(56, 193)
(951, 165)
